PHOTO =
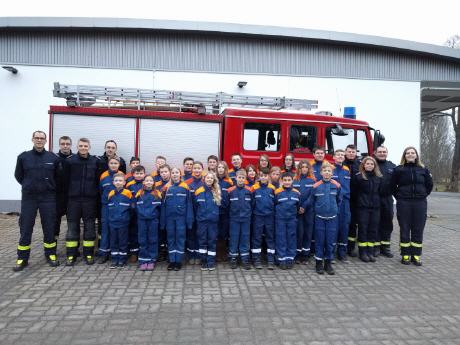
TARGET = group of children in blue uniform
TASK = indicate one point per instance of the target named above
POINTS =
(289, 213)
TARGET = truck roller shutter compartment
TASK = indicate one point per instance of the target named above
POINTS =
(177, 139)
(98, 129)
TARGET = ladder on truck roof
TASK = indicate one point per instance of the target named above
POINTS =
(165, 100)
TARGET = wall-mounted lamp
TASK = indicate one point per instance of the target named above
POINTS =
(242, 84)
(10, 69)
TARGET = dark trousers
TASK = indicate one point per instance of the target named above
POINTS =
(353, 227)
(192, 241)
(223, 226)
(411, 216)
(61, 210)
(46, 205)
(386, 222)
(148, 240)
(305, 224)
(326, 235)
(263, 226)
(207, 239)
(133, 241)
(239, 239)
(118, 243)
(176, 230)
(81, 209)
(368, 224)
(343, 227)
(286, 239)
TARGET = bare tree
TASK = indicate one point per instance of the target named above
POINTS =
(453, 42)
(437, 144)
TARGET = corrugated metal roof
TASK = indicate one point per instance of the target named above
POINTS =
(214, 47)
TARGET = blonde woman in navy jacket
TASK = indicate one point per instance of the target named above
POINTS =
(411, 184)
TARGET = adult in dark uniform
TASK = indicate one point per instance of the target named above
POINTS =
(37, 171)
(65, 150)
(110, 151)
(411, 184)
(382, 245)
(82, 181)
(352, 162)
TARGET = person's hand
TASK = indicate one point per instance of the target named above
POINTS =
(301, 210)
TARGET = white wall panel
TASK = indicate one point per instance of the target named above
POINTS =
(176, 140)
(98, 129)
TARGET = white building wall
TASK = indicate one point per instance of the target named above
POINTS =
(391, 106)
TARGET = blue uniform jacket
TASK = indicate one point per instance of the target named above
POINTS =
(240, 201)
(326, 198)
(186, 176)
(120, 206)
(206, 208)
(177, 203)
(106, 185)
(37, 172)
(316, 166)
(148, 204)
(224, 184)
(134, 186)
(160, 185)
(342, 175)
(264, 199)
(194, 183)
(287, 203)
(305, 186)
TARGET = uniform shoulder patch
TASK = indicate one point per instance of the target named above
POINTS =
(139, 193)
(130, 183)
(279, 190)
(295, 190)
(229, 180)
(335, 183)
(317, 184)
(344, 167)
(156, 193)
(127, 193)
(271, 186)
(255, 186)
(111, 194)
(184, 185)
(231, 189)
(248, 188)
(104, 175)
(189, 180)
(199, 190)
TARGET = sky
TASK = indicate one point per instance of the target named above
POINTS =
(422, 21)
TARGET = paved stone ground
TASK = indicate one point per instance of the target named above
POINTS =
(381, 303)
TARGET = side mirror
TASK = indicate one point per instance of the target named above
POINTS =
(379, 139)
(339, 131)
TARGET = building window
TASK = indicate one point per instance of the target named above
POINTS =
(262, 137)
(302, 139)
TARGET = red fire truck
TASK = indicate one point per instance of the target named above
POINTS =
(148, 123)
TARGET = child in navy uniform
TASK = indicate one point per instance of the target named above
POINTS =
(119, 209)
(105, 187)
(263, 224)
(287, 204)
(148, 209)
(134, 186)
(303, 182)
(325, 200)
(240, 200)
(176, 217)
(207, 200)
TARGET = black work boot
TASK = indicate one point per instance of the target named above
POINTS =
(20, 265)
(385, 251)
(351, 252)
(319, 267)
(376, 251)
(363, 255)
(328, 267)
(233, 263)
(52, 260)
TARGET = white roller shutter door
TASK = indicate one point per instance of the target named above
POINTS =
(176, 140)
(98, 129)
